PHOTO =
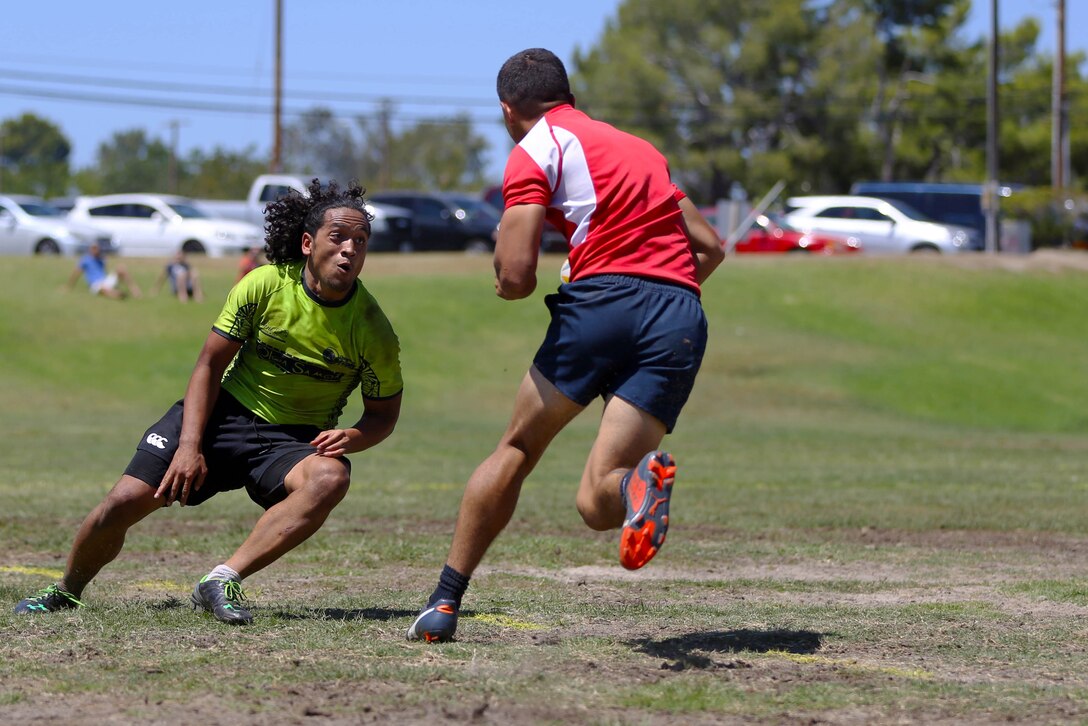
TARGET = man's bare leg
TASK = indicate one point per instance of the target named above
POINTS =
(315, 486)
(540, 412)
(491, 495)
(102, 534)
(626, 434)
(98, 541)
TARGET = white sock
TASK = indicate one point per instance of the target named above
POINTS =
(222, 572)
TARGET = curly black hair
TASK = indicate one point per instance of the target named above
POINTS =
(289, 216)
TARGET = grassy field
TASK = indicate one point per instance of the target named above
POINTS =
(880, 514)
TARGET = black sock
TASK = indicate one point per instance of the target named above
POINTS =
(451, 586)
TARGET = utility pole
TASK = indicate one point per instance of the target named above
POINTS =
(385, 171)
(992, 195)
(277, 121)
(172, 169)
(1059, 137)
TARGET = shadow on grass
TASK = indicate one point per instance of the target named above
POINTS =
(172, 603)
(344, 614)
(690, 650)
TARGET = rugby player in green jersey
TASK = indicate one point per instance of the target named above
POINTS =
(293, 340)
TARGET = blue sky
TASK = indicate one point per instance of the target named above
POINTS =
(79, 64)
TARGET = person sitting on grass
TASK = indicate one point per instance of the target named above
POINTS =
(183, 278)
(293, 340)
(92, 266)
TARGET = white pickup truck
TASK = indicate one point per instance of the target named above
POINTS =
(391, 228)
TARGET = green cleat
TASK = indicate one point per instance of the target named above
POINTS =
(222, 598)
(48, 600)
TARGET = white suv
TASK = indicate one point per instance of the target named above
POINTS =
(883, 226)
(31, 226)
(156, 225)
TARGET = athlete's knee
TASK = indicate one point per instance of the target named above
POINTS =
(327, 480)
(518, 455)
(127, 503)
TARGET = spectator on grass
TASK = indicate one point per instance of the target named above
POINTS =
(183, 278)
(92, 266)
(250, 261)
(628, 327)
(262, 405)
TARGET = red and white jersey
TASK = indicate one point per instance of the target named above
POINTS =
(608, 191)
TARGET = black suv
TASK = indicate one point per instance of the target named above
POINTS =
(446, 221)
(551, 239)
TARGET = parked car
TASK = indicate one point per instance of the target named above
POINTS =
(551, 239)
(884, 226)
(955, 204)
(390, 227)
(446, 220)
(64, 204)
(31, 226)
(770, 233)
(158, 225)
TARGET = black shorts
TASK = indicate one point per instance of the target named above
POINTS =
(240, 449)
(642, 340)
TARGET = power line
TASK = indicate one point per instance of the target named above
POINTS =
(191, 69)
(187, 69)
(234, 91)
(478, 110)
(197, 105)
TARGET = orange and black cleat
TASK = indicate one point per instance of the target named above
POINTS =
(436, 624)
(646, 496)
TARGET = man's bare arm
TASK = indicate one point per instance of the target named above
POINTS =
(517, 250)
(704, 241)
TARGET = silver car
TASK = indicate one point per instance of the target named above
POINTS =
(32, 226)
(883, 226)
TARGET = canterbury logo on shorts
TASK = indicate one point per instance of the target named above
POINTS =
(157, 441)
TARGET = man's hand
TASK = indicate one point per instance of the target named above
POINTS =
(185, 475)
(334, 442)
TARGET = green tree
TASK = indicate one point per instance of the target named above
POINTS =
(129, 162)
(1027, 106)
(33, 156)
(220, 173)
(915, 48)
(662, 71)
(377, 152)
(941, 127)
(1077, 91)
(440, 154)
(443, 154)
(820, 94)
(320, 143)
(731, 91)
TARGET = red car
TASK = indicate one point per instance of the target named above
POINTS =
(769, 234)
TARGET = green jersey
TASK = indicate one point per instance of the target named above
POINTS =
(301, 357)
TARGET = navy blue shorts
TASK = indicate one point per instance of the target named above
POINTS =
(642, 340)
(240, 448)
